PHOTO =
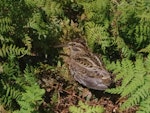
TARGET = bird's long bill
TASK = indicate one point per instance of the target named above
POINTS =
(63, 54)
(61, 45)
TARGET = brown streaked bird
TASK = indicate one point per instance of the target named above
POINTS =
(86, 67)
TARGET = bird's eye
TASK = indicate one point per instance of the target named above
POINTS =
(72, 44)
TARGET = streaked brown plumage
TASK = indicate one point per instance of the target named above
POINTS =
(86, 67)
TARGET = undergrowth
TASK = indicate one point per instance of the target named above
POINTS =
(119, 30)
(135, 82)
(19, 89)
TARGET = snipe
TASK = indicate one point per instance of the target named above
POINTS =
(86, 67)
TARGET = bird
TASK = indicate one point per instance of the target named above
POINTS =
(86, 67)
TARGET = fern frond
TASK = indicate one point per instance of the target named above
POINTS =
(5, 25)
(5, 40)
(27, 41)
(116, 90)
(134, 78)
(83, 107)
(134, 84)
(12, 49)
(147, 64)
(144, 106)
(11, 93)
(137, 97)
(19, 88)
(97, 25)
(97, 34)
(36, 23)
(142, 32)
(96, 11)
(146, 49)
(32, 95)
(135, 81)
(52, 8)
(123, 47)
(33, 3)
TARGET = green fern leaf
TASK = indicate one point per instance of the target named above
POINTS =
(5, 25)
(12, 50)
(144, 106)
(83, 107)
(146, 49)
(135, 81)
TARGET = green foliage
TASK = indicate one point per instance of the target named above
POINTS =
(119, 26)
(19, 89)
(27, 28)
(9, 89)
(144, 106)
(5, 25)
(96, 10)
(122, 31)
(32, 97)
(97, 24)
(131, 23)
(146, 49)
(12, 49)
(96, 33)
(119, 30)
(85, 108)
(135, 82)
(32, 30)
